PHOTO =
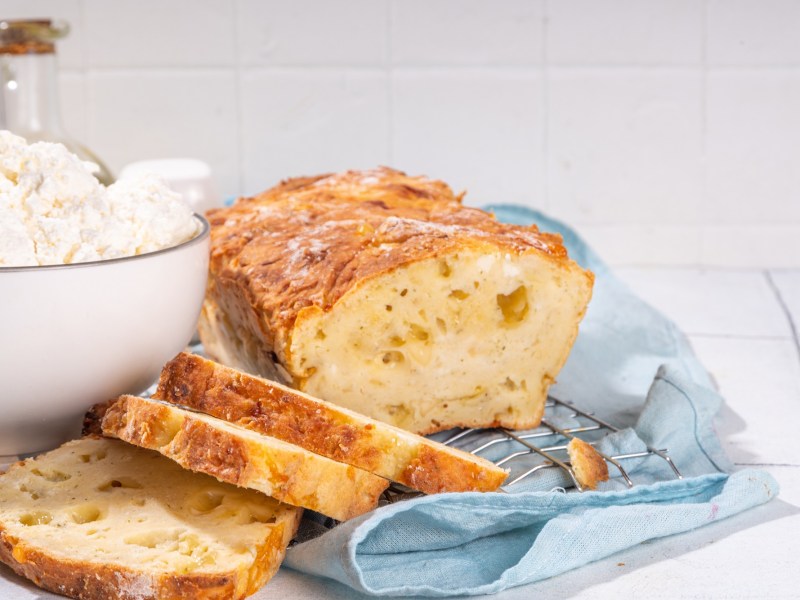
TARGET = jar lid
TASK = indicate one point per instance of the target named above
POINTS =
(30, 36)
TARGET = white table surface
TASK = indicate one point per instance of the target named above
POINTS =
(743, 326)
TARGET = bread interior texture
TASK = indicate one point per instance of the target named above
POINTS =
(471, 338)
(105, 503)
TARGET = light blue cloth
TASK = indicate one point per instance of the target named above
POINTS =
(632, 366)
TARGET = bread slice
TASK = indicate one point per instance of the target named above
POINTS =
(324, 428)
(382, 293)
(236, 455)
(98, 518)
(589, 467)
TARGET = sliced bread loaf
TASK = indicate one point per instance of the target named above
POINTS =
(383, 293)
(236, 455)
(338, 433)
(98, 519)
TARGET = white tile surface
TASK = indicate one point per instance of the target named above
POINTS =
(751, 555)
(165, 114)
(467, 32)
(625, 146)
(632, 244)
(630, 32)
(753, 32)
(454, 125)
(72, 96)
(751, 245)
(711, 302)
(753, 147)
(346, 32)
(758, 379)
(788, 284)
(70, 50)
(137, 33)
(308, 122)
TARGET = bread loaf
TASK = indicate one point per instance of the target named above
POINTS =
(99, 518)
(324, 428)
(236, 455)
(382, 293)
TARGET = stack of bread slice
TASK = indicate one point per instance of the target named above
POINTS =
(204, 486)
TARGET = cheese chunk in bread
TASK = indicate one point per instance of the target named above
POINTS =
(384, 294)
(99, 518)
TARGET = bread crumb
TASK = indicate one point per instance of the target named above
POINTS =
(589, 467)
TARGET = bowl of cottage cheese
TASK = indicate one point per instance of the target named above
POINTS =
(99, 287)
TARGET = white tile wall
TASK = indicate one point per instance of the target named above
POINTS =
(313, 32)
(640, 32)
(712, 303)
(633, 243)
(667, 131)
(773, 245)
(184, 33)
(311, 121)
(467, 32)
(73, 98)
(138, 114)
(479, 130)
(633, 154)
(753, 32)
(753, 147)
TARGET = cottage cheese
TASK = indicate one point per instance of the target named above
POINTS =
(53, 211)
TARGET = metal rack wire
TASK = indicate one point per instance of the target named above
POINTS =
(518, 450)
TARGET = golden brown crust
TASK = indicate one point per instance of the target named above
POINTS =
(96, 580)
(202, 448)
(294, 476)
(589, 467)
(308, 241)
(275, 410)
(433, 472)
(255, 403)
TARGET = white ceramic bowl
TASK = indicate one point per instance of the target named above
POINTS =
(74, 335)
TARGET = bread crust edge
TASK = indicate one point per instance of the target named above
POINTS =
(87, 580)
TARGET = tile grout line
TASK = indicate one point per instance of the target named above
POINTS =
(389, 63)
(702, 210)
(785, 309)
(545, 73)
(86, 86)
(747, 464)
(239, 100)
(738, 336)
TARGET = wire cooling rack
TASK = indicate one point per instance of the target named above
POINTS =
(528, 453)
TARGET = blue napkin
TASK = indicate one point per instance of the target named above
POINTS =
(632, 366)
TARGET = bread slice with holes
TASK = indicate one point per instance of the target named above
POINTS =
(98, 518)
(245, 458)
(324, 428)
(382, 293)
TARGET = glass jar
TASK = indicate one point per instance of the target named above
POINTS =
(29, 104)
